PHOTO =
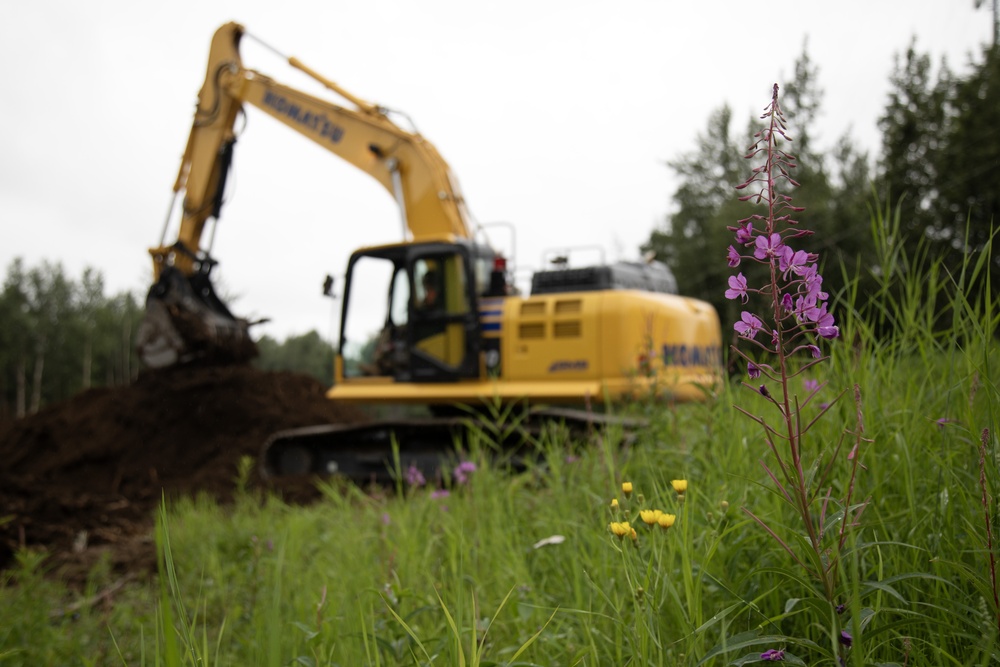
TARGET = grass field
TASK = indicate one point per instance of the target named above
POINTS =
(894, 563)
(526, 569)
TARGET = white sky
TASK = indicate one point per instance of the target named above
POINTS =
(557, 116)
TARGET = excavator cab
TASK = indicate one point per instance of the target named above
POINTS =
(410, 313)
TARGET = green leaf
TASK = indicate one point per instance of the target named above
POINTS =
(720, 616)
(306, 630)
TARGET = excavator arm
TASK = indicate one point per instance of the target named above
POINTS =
(185, 320)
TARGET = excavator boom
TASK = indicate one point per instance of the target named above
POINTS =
(185, 318)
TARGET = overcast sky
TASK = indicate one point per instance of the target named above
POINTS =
(556, 116)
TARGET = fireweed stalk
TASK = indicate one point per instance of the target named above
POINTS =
(797, 323)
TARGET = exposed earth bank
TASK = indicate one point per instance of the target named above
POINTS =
(82, 479)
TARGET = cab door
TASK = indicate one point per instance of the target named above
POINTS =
(444, 324)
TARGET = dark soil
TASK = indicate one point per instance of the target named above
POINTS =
(83, 479)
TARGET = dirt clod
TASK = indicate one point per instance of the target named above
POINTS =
(83, 478)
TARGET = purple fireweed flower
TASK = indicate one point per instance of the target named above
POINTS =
(803, 306)
(824, 323)
(749, 325)
(763, 391)
(753, 371)
(813, 283)
(829, 332)
(440, 493)
(795, 289)
(414, 477)
(846, 639)
(815, 312)
(772, 655)
(792, 260)
(787, 303)
(808, 272)
(809, 309)
(463, 470)
(810, 385)
(744, 234)
(734, 257)
(768, 246)
(737, 288)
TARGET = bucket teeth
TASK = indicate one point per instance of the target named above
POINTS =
(185, 321)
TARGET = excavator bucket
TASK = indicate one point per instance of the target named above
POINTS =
(185, 322)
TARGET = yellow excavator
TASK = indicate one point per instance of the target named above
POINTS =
(433, 320)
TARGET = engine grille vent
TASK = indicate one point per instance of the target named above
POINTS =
(568, 306)
(533, 308)
(568, 329)
(531, 330)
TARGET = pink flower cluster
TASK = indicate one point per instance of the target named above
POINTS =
(801, 286)
(463, 471)
(414, 476)
(795, 287)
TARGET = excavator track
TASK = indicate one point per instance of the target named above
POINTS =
(377, 453)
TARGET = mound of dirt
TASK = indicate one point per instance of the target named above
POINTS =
(83, 478)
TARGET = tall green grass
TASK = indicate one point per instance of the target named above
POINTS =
(521, 568)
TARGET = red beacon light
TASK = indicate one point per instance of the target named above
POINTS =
(498, 277)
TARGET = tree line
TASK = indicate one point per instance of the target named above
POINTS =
(60, 336)
(937, 170)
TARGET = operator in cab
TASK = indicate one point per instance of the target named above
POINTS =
(431, 284)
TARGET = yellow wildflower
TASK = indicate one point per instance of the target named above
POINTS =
(634, 536)
(627, 488)
(614, 503)
(620, 529)
(650, 517)
(680, 485)
(666, 520)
